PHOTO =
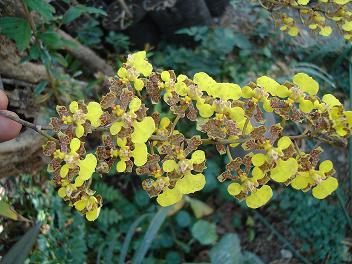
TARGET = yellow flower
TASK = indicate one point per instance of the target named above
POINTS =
(143, 130)
(325, 188)
(139, 62)
(94, 113)
(259, 197)
(306, 83)
(140, 154)
(86, 169)
(169, 197)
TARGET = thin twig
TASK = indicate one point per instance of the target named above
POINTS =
(25, 123)
(173, 126)
(245, 126)
(125, 7)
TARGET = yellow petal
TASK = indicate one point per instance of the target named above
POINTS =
(260, 197)
(121, 166)
(94, 113)
(284, 170)
(169, 197)
(284, 142)
(301, 181)
(143, 130)
(325, 188)
(64, 171)
(326, 166)
(79, 131)
(190, 183)
(135, 104)
(306, 83)
(169, 165)
(116, 127)
(80, 205)
(140, 154)
(259, 159)
(73, 107)
(87, 167)
(198, 157)
(62, 192)
(93, 214)
(234, 188)
(75, 144)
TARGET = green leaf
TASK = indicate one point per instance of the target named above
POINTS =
(42, 7)
(128, 238)
(152, 230)
(204, 232)
(250, 258)
(183, 218)
(52, 39)
(19, 252)
(199, 208)
(40, 87)
(76, 11)
(227, 251)
(16, 29)
(7, 211)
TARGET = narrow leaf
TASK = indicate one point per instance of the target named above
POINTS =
(19, 252)
(153, 229)
(7, 211)
(128, 238)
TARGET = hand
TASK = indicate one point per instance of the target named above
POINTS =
(9, 129)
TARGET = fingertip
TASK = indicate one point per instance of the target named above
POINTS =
(9, 129)
(4, 101)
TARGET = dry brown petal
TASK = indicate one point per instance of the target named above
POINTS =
(315, 156)
(156, 117)
(142, 112)
(258, 115)
(62, 111)
(82, 150)
(103, 153)
(199, 167)
(108, 100)
(55, 123)
(220, 148)
(192, 113)
(152, 88)
(289, 152)
(54, 165)
(82, 106)
(125, 98)
(258, 133)
(129, 166)
(249, 108)
(178, 110)
(176, 139)
(213, 128)
(49, 148)
(275, 132)
(116, 86)
(107, 141)
(226, 175)
(105, 119)
(231, 128)
(125, 132)
(192, 144)
(173, 99)
(103, 167)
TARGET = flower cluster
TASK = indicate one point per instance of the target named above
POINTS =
(140, 140)
(320, 16)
